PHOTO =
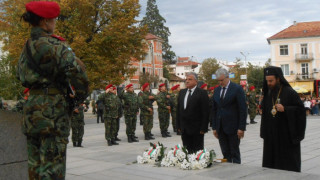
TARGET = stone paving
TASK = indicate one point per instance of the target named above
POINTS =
(96, 160)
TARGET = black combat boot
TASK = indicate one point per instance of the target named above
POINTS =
(174, 130)
(79, 144)
(164, 134)
(74, 144)
(113, 141)
(134, 139)
(109, 143)
(151, 134)
(134, 136)
(150, 137)
(117, 139)
(168, 134)
(146, 136)
(253, 122)
(129, 139)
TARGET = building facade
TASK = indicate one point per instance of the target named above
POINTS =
(296, 50)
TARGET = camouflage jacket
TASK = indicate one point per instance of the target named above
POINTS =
(145, 103)
(78, 117)
(163, 102)
(48, 62)
(120, 109)
(252, 99)
(130, 102)
(174, 101)
(111, 105)
(19, 106)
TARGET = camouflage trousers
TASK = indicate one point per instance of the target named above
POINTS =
(164, 118)
(141, 117)
(174, 117)
(47, 157)
(77, 130)
(131, 121)
(147, 123)
(252, 113)
(110, 125)
(117, 127)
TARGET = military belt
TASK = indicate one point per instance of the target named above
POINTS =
(45, 91)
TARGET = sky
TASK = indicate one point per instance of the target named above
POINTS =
(222, 29)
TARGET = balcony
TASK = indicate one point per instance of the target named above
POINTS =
(304, 77)
(304, 57)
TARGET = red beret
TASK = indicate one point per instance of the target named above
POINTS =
(129, 85)
(175, 87)
(203, 85)
(107, 87)
(251, 88)
(26, 90)
(216, 86)
(114, 88)
(211, 88)
(162, 84)
(44, 9)
(144, 86)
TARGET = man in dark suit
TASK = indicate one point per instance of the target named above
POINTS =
(229, 116)
(192, 114)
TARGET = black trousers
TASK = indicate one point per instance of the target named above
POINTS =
(100, 114)
(229, 145)
(193, 142)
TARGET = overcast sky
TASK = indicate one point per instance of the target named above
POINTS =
(224, 28)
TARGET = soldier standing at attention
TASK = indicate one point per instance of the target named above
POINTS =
(47, 66)
(93, 105)
(77, 125)
(146, 110)
(120, 113)
(252, 104)
(163, 110)
(110, 114)
(131, 110)
(141, 116)
(174, 102)
(22, 101)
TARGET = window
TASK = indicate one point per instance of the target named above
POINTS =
(285, 69)
(187, 68)
(178, 74)
(305, 70)
(284, 50)
(304, 48)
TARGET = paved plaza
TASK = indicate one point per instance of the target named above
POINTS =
(96, 160)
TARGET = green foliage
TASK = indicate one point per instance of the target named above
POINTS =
(155, 23)
(10, 87)
(255, 76)
(166, 73)
(143, 78)
(237, 70)
(209, 67)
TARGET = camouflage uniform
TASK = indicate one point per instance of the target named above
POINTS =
(144, 104)
(131, 108)
(46, 120)
(19, 106)
(120, 114)
(163, 111)
(174, 103)
(141, 115)
(93, 104)
(252, 106)
(110, 114)
(77, 125)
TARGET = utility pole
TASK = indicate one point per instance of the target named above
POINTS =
(245, 66)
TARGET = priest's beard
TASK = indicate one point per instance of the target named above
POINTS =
(273, 91)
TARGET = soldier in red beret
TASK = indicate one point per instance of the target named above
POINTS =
(174, 102)
(204, 86)
(163, 110)
(252, 105)
(46, 66)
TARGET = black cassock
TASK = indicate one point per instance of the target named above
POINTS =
(282, 134)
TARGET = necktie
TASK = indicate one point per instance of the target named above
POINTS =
(222, 95)
(189, 97)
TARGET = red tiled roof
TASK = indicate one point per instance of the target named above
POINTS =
(298, 30)
(183, 58)
(189, 63)
(174, 77)
(150, 36)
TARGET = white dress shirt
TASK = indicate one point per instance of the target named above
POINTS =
(225, 92)
(186, 96)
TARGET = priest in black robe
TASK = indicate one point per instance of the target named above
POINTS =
(283, 122)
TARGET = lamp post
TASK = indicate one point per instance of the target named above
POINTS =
(245, 65)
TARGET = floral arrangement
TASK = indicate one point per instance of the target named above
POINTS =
(177, 156)
(153, 155)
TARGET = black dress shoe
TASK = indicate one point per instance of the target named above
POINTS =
(253, 122)
(117, 139)
(114, 142)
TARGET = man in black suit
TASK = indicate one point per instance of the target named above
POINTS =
(192, 114)
(229, 116)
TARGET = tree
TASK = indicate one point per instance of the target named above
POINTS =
(255, 76)
(101, 33)
(208, 68)
(148, 78)
(155, 23)
(237, 70)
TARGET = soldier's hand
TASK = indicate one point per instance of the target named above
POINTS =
(71, 95)
(76, 110)
(151, 97)
(214, 132)
(168, 107)
(149, 109)
(168, 96)
(108, 90)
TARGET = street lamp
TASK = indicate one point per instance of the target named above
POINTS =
(245, 64)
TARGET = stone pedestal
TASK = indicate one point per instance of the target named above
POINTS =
(13, 147)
